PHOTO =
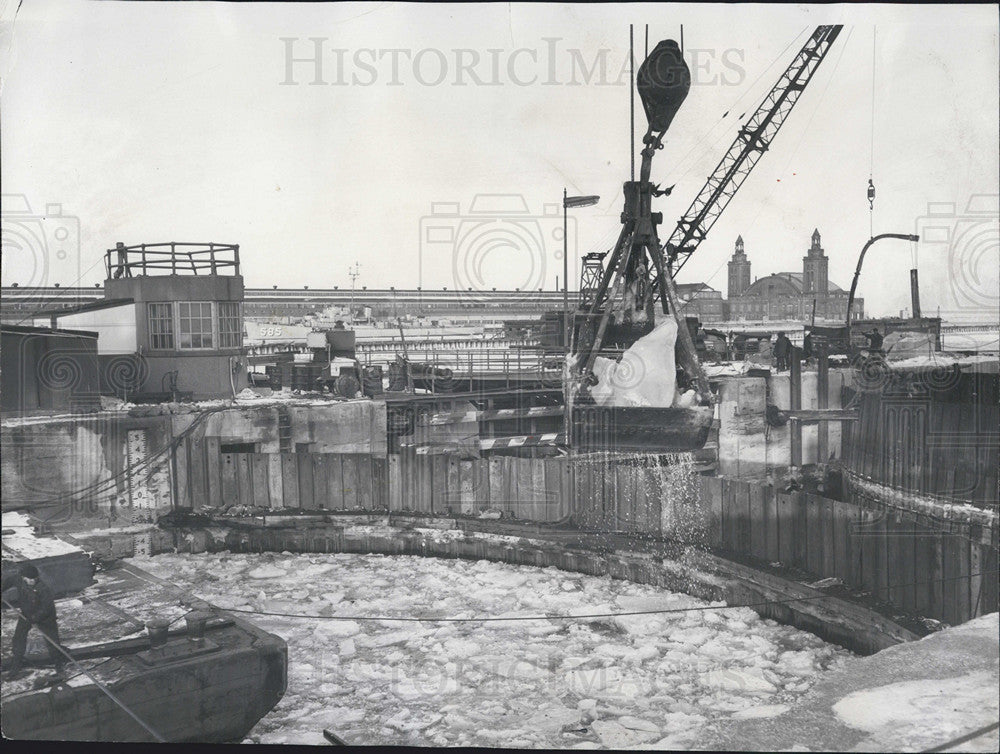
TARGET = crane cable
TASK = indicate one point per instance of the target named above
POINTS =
(871, 156)
(963, 739)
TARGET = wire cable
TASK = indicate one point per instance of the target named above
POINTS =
(38, 312)
(589, 616)
(708, 133)
(871, 157)
(962, 739)
(794, 151)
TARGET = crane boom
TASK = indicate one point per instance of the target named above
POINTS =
(753, 140)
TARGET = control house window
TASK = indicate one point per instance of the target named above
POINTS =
(195, 324)
(161, 326)
(230, 325)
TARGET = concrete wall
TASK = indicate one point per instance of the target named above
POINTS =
(176, 288)
(104, 468)
(113, 468)
(346, 427)
(748, 446)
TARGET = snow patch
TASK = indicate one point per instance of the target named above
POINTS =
(614, 735)
(267, 572)
(957, 704)
(761, 711)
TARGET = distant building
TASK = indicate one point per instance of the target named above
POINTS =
(170, 324)
(701, 301)
(788, 295)
(739, 271)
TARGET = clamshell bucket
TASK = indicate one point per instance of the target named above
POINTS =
(663, 82)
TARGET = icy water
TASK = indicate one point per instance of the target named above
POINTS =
(649, 680)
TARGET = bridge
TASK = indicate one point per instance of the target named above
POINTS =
(20, 304)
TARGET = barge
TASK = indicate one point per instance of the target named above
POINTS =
(150, 663)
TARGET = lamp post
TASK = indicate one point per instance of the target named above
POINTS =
(353, 272)
(857, 272)
(568, 202)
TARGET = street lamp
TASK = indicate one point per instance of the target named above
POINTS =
(353, 272)
(861, 261)
(570, 202)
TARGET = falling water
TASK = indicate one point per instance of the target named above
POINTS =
(667, 478)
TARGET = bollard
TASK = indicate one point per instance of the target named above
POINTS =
(157, 629)
(196, 621)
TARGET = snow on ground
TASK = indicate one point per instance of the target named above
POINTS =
(942, 359)
(894, 713)
(639, 680)
(909, 697)
(21, 543)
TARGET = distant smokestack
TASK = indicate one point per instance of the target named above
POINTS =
(914, 294)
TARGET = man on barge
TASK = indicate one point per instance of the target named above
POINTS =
(37, 606)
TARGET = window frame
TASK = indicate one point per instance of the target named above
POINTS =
(213, 322)
(237, 319)
(151, 318)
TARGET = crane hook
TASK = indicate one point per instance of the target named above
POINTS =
(871, 194)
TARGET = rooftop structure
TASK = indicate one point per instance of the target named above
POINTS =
(170, 323)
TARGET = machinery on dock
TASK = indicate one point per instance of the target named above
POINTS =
(620, 289)
(618, 306)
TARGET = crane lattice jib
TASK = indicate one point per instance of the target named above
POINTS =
(751, 142)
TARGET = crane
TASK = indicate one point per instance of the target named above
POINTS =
(751, 142)
(619, 309)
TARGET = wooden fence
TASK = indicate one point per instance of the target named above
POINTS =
(530, 489)
(594, 494)
(311, 481)
(940, 569)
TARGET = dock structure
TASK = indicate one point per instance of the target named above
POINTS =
(145, 661)
(859, 490)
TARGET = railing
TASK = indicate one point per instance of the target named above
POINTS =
(175, 257)
(506, 356)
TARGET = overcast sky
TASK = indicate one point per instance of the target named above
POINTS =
(183, 121)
